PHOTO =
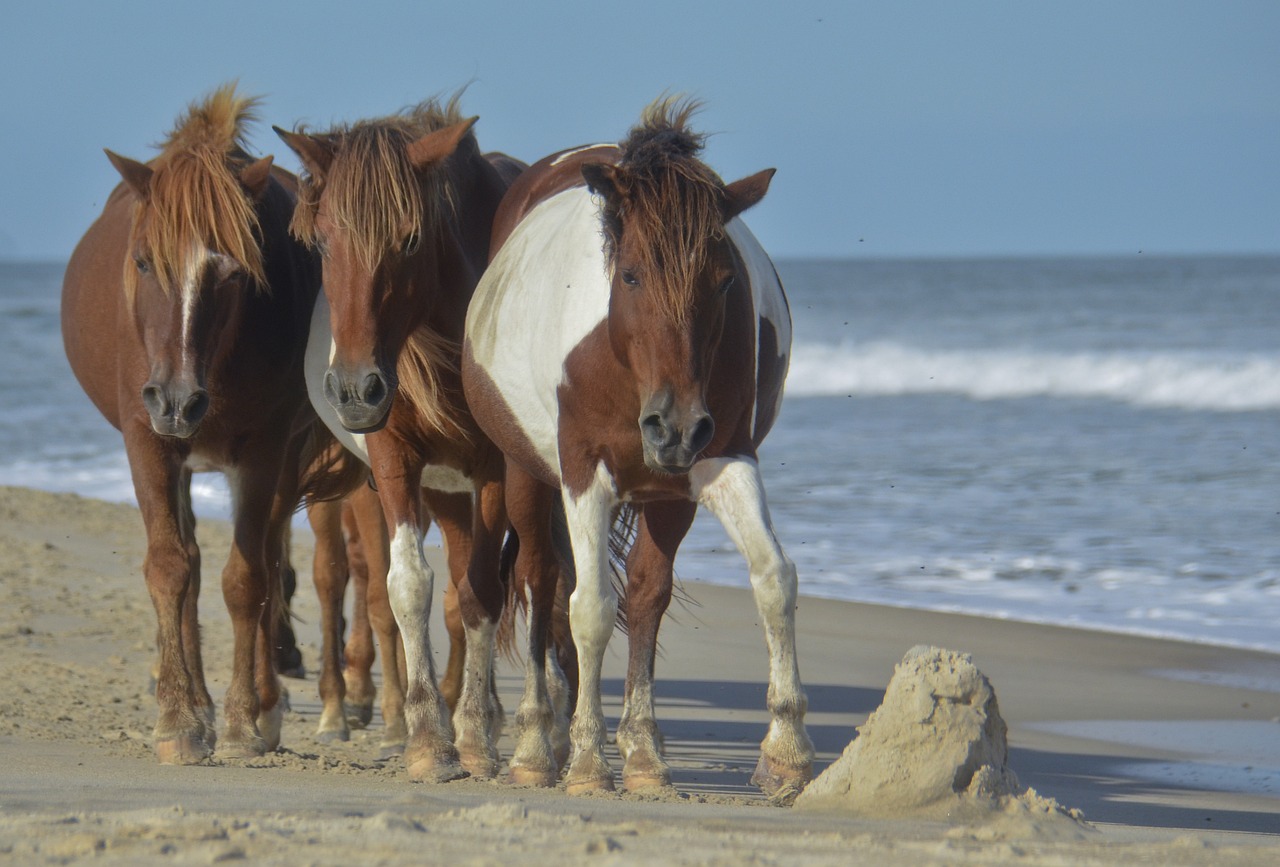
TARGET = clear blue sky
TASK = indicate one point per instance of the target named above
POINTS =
(897, 128)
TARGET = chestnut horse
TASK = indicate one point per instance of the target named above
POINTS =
(628, 345)
(401, 209)
(185, 311)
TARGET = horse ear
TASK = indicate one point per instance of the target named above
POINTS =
(436, 146)
(315, 153)
(740, 195)
(255, 176)
(604, 179)
(137, 175)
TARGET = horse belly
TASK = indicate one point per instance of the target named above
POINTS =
(545, 291)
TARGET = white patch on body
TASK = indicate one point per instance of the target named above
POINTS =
(567, 154)
(545, 291)
(767, 298)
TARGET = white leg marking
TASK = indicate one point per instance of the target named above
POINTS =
(733, 490)
(593, 609)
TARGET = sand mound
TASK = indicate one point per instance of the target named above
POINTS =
(936, 747)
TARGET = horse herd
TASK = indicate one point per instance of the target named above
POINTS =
(557, 363)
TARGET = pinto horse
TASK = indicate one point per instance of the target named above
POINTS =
(401, 210)
(644, 370)
(185, 311)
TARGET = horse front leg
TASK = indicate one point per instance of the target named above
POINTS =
(593, 610)
(733, 490)
(183, 733)
(661, 528)
(253, 709)
(429, 751)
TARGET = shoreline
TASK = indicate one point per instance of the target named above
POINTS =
(1169, 748)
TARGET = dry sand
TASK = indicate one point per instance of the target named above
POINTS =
(1170, 751)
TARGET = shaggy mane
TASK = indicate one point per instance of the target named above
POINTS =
(673, 202)
(195, 198)
(372, 190)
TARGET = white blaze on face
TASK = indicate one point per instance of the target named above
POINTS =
(193, 267)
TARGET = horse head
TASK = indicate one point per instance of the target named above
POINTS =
(371, 203)
(672, 269)
(194, 254)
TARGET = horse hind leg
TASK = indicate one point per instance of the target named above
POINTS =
(542, 741)
(473, 537)
(733, 490)
(374, 544)
(330, 575)
(357, 672)
(649, 580)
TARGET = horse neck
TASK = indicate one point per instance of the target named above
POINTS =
(446, 280)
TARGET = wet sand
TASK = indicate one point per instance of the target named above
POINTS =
(1170, 750)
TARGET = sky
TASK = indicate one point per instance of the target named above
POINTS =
(898, 129)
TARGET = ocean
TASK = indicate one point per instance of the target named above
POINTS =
(1082, 441)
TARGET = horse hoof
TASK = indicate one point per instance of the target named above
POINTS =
(481, 767)
(586, 787)
(358, 715)
(254, 748)
(531, 777)
(333, 736)
(431, 770)
(189, 750)
(645, 782)
(781, 784)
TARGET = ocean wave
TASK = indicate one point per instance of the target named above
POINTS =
(1183, 380)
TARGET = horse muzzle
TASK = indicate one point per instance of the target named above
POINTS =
(175, 410)
(361, 397)
(673, 440)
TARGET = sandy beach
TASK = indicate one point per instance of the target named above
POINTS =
(1171, 751)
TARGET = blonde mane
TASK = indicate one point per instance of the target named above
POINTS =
(673, 202)
(195, 198)
(372, 190)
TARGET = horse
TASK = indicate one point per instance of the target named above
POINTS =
(185, 311)
(627, 346)
(400, 209)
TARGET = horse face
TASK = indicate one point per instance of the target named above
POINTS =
(665, 323)
(669, 352)
(361, 381)
(187, 307)
(372, 264)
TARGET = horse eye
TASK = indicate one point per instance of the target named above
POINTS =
(142, 265)
(630, 278)
(729, 283)
(412, 243)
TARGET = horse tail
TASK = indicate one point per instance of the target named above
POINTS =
(329, 471)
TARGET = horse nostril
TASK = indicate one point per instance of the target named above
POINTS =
(196, 406)
(653, 429)
(332, 392)
(375, 389)
(153, 398)
(700, 436)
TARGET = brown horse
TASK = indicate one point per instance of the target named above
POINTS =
(401, 209)
(185, 311)
(628, 345)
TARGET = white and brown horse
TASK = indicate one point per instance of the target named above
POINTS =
(628, 345)
(401, 210)
(185, 312)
